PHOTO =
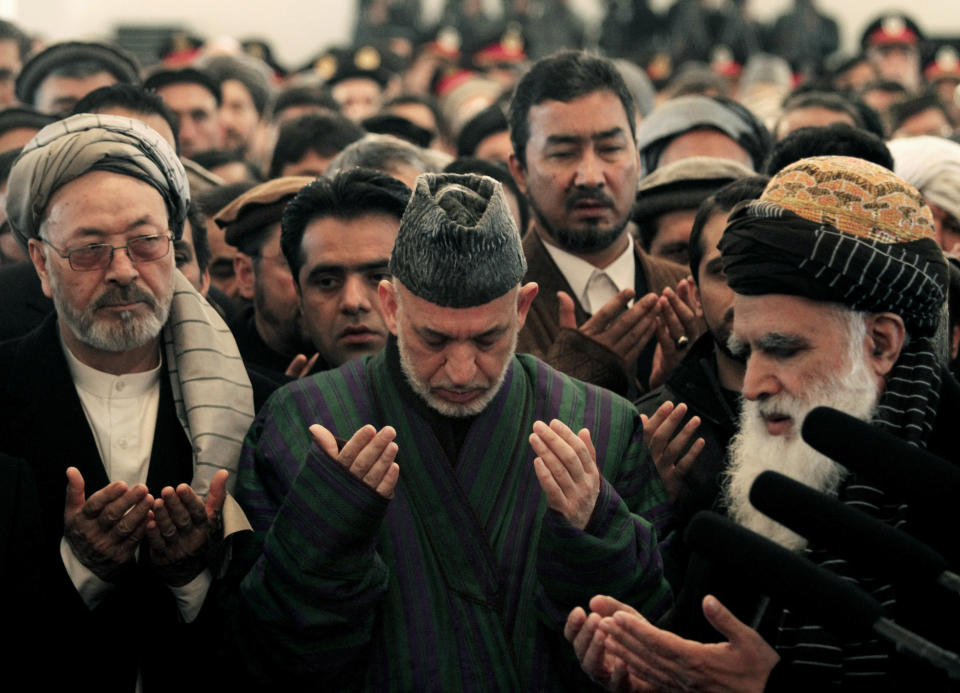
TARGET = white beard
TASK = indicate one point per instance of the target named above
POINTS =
(451, 409)
(753, 450)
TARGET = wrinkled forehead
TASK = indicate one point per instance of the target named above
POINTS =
(103, 202)
(762, 315)
(458, 322)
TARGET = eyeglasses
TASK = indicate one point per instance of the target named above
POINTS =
(99, 255)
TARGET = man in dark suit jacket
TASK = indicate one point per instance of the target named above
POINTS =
(132, 397)
(572, 124)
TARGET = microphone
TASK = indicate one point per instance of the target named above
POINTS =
(916, 475)
(829, 599)
(849, 532)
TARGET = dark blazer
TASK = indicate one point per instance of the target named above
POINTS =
(138, 623)
(22, 303)
(568, 350)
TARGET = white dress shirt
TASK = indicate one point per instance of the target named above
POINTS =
(593, 286)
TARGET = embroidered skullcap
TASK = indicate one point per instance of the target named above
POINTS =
(458, 245)
(844, 230)
(847, 231)
(86, 142)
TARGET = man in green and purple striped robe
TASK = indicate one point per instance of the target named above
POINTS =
(442, 545)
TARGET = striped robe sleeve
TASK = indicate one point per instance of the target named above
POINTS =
(617, 552)
(308, 604)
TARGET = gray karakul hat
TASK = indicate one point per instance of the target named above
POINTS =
(458, 245)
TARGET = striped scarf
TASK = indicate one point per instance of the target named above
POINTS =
(211, 391)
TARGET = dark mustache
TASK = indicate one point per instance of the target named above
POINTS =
(592, 194)
(125, 294)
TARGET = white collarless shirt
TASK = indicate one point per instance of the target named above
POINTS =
(593, 286)
(122, 413)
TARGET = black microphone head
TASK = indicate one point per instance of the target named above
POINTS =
(845, 530)
(898, 467)
(779, 573)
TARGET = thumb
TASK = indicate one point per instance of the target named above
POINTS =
(566, 317)
(309, 365)
(295, 368)
(721, 618)
(75, 495)
(325, 440)
(218, 492)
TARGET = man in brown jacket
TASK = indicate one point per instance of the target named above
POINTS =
(572, 124)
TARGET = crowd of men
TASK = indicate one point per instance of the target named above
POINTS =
(430, 369)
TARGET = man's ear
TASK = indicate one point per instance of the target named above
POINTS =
(243, 270)
(38, 257)
(388, 303)
(518, 173)
(886, 335)
(525, 297)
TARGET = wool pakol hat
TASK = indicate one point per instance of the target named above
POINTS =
(260, 206)
(684, 184)
(115, 60)
(458, 245)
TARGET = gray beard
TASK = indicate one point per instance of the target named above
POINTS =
(132, 330)
(753, 450)
(451, 409)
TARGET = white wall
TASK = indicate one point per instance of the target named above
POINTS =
(299, 28)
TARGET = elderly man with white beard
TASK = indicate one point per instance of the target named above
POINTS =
(840, 287)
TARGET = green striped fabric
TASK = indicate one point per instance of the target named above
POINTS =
(463, 580)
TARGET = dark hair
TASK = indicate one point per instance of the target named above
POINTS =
(497, 171)
(225, 67)
(347, 196)
(327, 134)
(902, 111)
(830, 101)
(212, 158)
(482, 125)
(198, 230)
(872, 122)
(6, 162)
(404, 99)
(133, 98)
(11, 32)
(303, 96)
(757, 141)
(564, 76)
(398, 126)
(837, 139)
(725, 199)
(213, 200)
(885, 85)
(186, 75)
(26, 117)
